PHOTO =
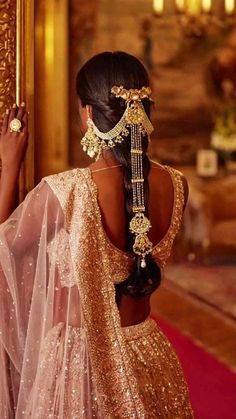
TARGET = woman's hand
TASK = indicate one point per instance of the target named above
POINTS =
(13, 145)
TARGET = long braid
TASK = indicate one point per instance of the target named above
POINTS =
(142, 281)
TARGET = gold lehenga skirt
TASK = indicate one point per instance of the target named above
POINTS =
(161, 382)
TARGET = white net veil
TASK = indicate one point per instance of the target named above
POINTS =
(63, 353)
(43, 345)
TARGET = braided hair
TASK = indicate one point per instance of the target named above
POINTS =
(93, 84)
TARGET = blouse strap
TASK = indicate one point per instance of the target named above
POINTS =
(178, 205)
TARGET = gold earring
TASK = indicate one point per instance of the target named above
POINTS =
(90, 142)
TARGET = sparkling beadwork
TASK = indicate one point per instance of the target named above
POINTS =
(121, 357)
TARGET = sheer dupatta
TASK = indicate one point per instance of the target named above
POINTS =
(56, 289)
(36, 310)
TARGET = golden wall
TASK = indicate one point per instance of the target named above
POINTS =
(42, 45)
(7, 54)
(16, 70)
(82, 36)
(51, 86)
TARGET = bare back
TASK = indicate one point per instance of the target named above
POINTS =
(111, 201)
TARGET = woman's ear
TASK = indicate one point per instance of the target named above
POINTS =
(85, 112)
(89, 110)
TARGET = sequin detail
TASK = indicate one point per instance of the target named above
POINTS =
(161, 383)
(119, 262)
(110, 364)
(162, 250)
(162, 386)
(62, 358)
(97, 265)
(59, 254)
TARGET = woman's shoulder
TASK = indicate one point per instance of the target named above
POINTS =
(64, 183)
(165, 168)
(67, 179)
(67, 175)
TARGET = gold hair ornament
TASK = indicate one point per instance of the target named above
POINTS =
(135, 122)
(94, 140)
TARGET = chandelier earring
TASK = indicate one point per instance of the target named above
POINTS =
(90, 142)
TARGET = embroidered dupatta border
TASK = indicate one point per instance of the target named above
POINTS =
(111, 368)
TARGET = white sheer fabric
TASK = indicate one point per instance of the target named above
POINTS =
(63, 352)
(40, 316)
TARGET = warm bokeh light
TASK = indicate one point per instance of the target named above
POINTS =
(206, 6)
(193, 7)
(49, 40)
(158, 6)
(229, 6)
(180, 5)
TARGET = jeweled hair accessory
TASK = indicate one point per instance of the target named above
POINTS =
(94, 140)
(135, 122)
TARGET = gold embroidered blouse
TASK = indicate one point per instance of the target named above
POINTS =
(96, 265)
(118, 261)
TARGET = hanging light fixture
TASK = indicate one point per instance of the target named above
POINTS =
(195, 16)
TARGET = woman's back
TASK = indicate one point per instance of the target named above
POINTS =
(112, 206)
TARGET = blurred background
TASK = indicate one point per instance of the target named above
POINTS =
(189, 49)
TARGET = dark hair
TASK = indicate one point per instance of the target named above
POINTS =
(94, 82)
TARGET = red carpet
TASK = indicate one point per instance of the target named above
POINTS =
(212, 386)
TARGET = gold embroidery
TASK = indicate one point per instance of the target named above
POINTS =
(120, 358)
(120, 262)
(162, 386)
(59, 254)
(161, 383)
(110, 364)
(162, 251)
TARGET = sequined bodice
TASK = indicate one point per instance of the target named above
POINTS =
(78, 183)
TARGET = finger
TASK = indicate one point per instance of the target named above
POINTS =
(13, 112)
(5, 122)
(21, 111)
(25, 123)
(25, 130)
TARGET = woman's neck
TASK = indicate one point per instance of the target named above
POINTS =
(105, 160)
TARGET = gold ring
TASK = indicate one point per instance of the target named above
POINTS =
(15, 125)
